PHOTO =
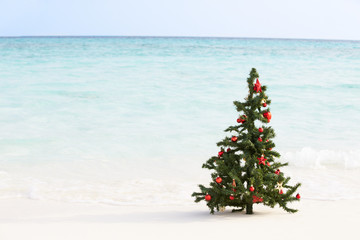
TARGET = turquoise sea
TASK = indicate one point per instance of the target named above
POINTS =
(130, 120)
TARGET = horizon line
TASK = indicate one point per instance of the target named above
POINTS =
(160, 36)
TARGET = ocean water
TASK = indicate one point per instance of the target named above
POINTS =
(131, 120)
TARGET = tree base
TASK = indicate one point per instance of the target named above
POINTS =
(249, 209)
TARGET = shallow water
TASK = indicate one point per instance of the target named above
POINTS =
(107, 119)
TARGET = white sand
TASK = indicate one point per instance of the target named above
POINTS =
(33, 219)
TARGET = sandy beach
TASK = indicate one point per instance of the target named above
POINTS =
(35, 219)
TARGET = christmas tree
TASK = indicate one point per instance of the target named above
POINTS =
(246, 173)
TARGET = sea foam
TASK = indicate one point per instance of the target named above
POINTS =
(323, 159)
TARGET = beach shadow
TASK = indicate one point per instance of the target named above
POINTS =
(165, 217)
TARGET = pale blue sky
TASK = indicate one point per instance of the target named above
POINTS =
(320, 19)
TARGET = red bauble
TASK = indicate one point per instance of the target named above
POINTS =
(220, 153)
(260, 139)
(257, 86)
(228, 150)
(234, 189)
(261, 130)
(264, 104)
(251, 189)
(232, 197)
(298, 196)
(277, 172)
(257, 199)
(241, 119)
(281, 191)
(234, 139)
(218, 179)
(207, 197)
(267, 115)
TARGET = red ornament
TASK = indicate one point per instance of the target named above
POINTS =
(257, 199)
(228, 150)
(257, 86)
(241, 119)
(261, 130)
(234, 139)
(234, 189)
(260, 139)
(267, 140)
(281, 191)
(269, 148)
(218, 179)
(220, 154)
(298, 196)
(267, 115)
(207, 197)
(251, 189)
(262, 160)
(264, 104)
(277, 172)
(231, 197)
(268, 163)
